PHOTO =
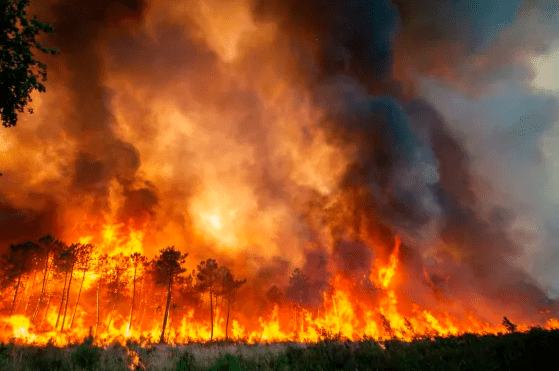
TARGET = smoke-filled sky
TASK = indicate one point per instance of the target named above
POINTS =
(277, 134)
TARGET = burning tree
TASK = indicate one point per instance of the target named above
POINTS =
(228, 287)
(65, 263)
(101, 269)
(15, 265)
(138, 261)
(299, 287)
(298, 291)
(275, 295)
(188, 290)
(84, 261)
(117, 277)
(48, 246)
(168, 266)
(511, 327)
(207, 277)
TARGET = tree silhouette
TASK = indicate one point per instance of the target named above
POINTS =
(101, 269)
(84, 261)
(148, 285)
(228, 287)
(117, 275)
(298, 290)
(48, 246)
(15, 265)
(65, 263)
(299, 287)
(207, 279)
(138, 261)
(274, 295)
(511, 327)
(188, 291)
(33, 261)
(19, 70)
(168, 266)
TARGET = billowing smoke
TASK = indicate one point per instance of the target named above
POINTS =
(283, 134)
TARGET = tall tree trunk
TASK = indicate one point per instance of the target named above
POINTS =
(149, 293)
(97, 324)
(111, 317)
(46, 311)
(45, 275)
(15, 293)
(22, 292)
(68, 295)
(142, 304)
(220, 308)
(212, 314)
(31, 293)
(133, 297)
(62, 300)
(227, 323)
(143, 311)
(171, 317)
(77, 300)
(162, 338)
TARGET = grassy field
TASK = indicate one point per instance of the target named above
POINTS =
(514, 351)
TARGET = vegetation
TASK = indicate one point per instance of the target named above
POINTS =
(50, 282)
(55, 285)
(228, 287)
(207, 277)
(512, 351)
(86, 356)
(168, 265)
(20, 72)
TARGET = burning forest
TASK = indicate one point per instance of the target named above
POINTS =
(268, 171)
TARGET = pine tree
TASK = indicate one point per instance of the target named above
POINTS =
(65, 262)
(15, 265)
(48, 247)
(228, 287)
(168, 266)
(84, 261)
(101, 268)
(138, 261)
(117, 278)
(298, 291)
(207, 279)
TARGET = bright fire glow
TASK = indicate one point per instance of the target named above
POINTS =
(342, 314)
(216, 141)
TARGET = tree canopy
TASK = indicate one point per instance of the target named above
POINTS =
(20, 72)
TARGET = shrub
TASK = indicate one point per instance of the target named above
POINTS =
(47, 359)
(86, 356)
(186, 362)
(5, 351)
(227, 363)
(3, 361)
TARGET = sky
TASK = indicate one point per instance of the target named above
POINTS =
(510, 131)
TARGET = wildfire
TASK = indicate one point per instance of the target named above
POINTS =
(192, 154)
(385, 273)
(344, 313)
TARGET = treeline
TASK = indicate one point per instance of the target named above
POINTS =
(39, 278)
(45, 277)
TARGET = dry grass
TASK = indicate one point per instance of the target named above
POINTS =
(492, 352)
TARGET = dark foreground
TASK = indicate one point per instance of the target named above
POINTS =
(516, 351)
